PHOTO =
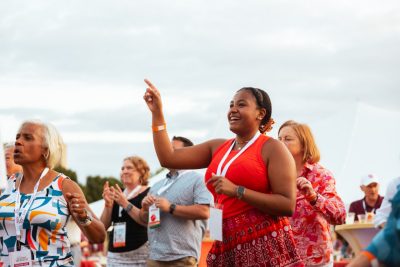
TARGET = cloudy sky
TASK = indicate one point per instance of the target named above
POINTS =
(80, 65)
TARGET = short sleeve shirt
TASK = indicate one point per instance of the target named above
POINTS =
(179, 237)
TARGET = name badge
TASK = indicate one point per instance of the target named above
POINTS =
(21, 258)
(154, 217)
(215, 222)
(119, 234)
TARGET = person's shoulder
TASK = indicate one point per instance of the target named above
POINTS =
(66, 184)
(157, 184)
(356, 202)
(192, 174)
(322, 172)
(272, 146)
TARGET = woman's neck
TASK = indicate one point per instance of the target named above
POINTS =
(243, 139)
(32, 172)
(299, 164)
(130, 187)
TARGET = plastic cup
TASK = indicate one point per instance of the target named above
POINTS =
(362, 218)
(350, 217)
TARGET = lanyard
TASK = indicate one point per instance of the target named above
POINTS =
(169, 182)
(222, 172)
(365, 208)
(19, 217)
(133, 192)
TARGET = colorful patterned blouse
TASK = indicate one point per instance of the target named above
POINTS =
(311, 223)
(43, 228)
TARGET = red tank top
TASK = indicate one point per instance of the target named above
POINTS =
(247, 170)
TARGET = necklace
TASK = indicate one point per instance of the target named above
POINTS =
(240, 145)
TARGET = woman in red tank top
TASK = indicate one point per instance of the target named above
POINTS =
(255, 182)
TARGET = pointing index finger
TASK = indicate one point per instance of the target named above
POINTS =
(149, 83)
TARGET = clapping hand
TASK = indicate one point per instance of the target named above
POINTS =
(77, 205)
(108, 195)
(119, 196)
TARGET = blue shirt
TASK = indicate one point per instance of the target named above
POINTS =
(178, 237)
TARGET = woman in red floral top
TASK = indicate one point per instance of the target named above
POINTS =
(318, 205)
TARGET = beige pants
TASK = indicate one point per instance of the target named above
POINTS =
(184, 262)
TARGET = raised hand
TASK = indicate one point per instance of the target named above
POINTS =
(77, 205)
(107, 195)
(119, 196)
(152, 97)
(222, 185)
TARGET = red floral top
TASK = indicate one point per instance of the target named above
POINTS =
(311, 223)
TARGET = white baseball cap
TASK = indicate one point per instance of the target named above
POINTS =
(368, 179)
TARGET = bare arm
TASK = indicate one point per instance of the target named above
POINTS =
(78, 207)
(191, 212)
(194, 157)
(105, 217)
(282, 176)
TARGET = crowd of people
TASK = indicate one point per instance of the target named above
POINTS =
(270, 200)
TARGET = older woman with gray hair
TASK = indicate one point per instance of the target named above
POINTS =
(35, 209)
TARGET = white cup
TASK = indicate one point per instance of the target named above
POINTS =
(362, 218)
(350, 217)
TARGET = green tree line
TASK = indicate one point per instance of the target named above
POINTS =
(93, 189)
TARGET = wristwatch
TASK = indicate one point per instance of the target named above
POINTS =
(172, 208)
(128, 208)
(86, 221)
(240, 192)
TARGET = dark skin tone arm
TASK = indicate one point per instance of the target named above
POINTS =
(78, 208)
(194, 157)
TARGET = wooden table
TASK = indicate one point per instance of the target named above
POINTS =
(358, 235)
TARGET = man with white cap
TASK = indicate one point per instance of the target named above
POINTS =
(371, 201)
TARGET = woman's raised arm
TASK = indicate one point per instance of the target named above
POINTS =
(193, 157)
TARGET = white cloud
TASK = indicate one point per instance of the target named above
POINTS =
(80, 65)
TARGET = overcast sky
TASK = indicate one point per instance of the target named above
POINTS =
(80, 65)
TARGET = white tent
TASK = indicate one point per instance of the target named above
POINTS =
(356, 141)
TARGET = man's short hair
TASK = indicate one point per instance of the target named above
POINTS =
(186, 142)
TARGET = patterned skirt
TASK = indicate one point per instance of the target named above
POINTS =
(255, 239)
(135, 258)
